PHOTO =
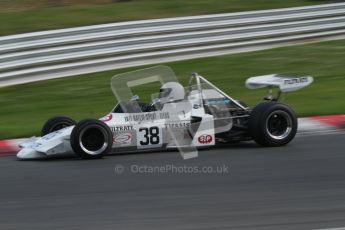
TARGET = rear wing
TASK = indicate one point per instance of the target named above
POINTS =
(284, 83)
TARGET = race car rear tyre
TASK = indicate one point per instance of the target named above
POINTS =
(272, 124)
(56, 123)
(91, 139)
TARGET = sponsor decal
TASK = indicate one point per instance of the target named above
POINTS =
(177, 125)
(107, 118)
(123, 139)
(295, 80)
(205, 139)
(121, 128)
(146, 117)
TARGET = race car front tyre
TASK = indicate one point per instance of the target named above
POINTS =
(272, 124)
(91, 139)
(56, 123)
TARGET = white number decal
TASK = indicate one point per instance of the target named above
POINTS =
(149, 137)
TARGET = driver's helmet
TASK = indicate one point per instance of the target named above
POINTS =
(171, 92)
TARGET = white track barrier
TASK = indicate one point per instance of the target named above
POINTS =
(60, 53)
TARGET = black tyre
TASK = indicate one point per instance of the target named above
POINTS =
(56, 123)
(91, 139)
(272, 124)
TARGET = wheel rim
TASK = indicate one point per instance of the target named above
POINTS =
(92, 140)
(279, 125)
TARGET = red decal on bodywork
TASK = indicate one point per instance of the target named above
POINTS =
(205, 139)
(107, 118)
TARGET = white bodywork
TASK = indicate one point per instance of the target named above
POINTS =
(188, 123)
(284, 83)
(56, 143)
(173, 122)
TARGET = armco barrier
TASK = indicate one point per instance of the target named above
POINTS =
(66, 52)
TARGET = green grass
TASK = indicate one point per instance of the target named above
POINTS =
(17, 16)
(24, 108)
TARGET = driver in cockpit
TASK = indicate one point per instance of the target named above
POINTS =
(169, 92)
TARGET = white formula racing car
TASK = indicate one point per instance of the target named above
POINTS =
(183, 118)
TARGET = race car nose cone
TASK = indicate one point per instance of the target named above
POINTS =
(28, 153)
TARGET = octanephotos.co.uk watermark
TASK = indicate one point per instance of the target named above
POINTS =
(171, 169)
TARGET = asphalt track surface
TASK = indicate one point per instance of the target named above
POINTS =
(300, 186)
